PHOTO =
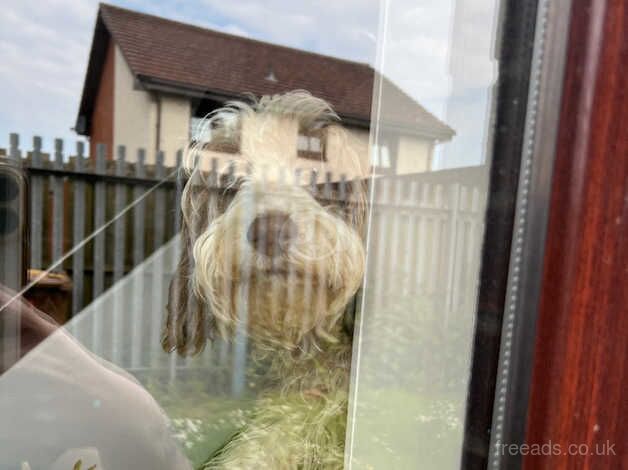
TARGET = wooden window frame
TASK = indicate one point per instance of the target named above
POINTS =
(321, 134)
(230, 147)
(550, 342)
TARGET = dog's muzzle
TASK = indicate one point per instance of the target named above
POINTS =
(271, 233)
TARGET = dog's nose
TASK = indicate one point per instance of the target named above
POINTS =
(271, 232)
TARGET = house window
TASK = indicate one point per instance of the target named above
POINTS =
(199, 130)
(380, 156)
(311, 144)
(202, 131)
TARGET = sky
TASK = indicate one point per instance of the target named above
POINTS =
(439, 51)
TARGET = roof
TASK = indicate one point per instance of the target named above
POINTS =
(182, 58)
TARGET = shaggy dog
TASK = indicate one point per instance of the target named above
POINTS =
(266, 257)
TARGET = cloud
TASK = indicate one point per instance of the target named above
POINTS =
(441, 53)
(344, 29)
(43, 48)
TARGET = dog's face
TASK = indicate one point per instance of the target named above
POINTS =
(271, 256)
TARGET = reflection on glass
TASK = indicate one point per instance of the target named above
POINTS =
(282, 281)
(415, 330)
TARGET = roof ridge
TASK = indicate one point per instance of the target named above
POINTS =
(106, 6)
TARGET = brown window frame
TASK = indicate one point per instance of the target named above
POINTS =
(311, 154)
(231, 147)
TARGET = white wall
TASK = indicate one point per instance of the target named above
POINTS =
(137, 113)
(174, 129)
(134, 113)
(347, 152)
(414, 155)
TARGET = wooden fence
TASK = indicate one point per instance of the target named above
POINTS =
(108, 213)
(425, 237)
(103, 217)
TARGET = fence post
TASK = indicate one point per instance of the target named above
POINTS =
(118, 254)
(377, 247)
(120, 220)
(138, 256)
(422, 232)
(159, 218)
(177, 251)
(178, 192)
(99, 244)
(393, 244)
(57, 210)
(439, 215)
(139, 211)
(99, 222)
(412, 240)
(454, 206)
(78, 224)
(160, 202)
(36, 193)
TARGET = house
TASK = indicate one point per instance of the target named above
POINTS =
(150, 80)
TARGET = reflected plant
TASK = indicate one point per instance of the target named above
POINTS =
(201, 417)
(79, 466)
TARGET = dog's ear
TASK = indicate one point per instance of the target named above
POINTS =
(354, 202)
(351, 313)
(189, 323)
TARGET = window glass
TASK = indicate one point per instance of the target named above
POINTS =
(314, 144)
(380, 156)
(259, 245)
(198, 130)
(303, 143)
(411, 359)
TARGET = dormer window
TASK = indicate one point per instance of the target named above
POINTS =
(311, 144)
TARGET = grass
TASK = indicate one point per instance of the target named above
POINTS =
(202, 422)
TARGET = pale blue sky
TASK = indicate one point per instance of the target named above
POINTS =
(44, 45)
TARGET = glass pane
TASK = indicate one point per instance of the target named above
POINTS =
(199, 130)
(315, 144)
(302, 142)
(197, 284)
(374, 156)
(384, 156)
(411, 358)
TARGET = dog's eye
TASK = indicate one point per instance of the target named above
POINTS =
(337, 210)
(238, 182)
(231, 183)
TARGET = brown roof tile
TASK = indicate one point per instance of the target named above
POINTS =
(190, 57)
